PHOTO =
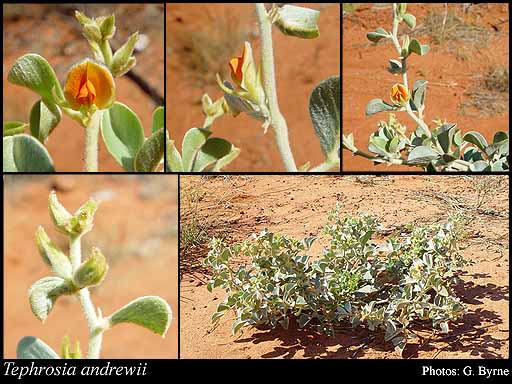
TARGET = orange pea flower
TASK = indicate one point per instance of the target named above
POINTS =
(399, 94)
(89, 83)
(235, 66)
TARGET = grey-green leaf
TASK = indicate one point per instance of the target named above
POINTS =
(213, 150)
(418, 92)
(192, 143)
(44, 117)
(14, 128)
(52, 255)
(44, 292)
(410, 20)
(417, 48)
(422, 154)
(477, 139)
(151, 152)
(222, 162)
(324, 109)
(380, 33)
(32, 348)
(151, 312)
(378, 105)
(123, 134)
(158, 119)
(34, 72)
(23, 153)
(173, 158)
(298, 21)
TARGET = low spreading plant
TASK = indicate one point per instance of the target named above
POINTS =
(409, 279)
(88, 97)
(443, 148)
(72, 276)
(253, 91)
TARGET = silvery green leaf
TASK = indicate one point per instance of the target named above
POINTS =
(417, 48)
(395, 66)
(44, 292)
(122, 134)
(378, 105)
(479, 166)
(477, 139)
(237, 324)
(422, 154)
(444, 327)
(60, 216)
(52, 255)
(150, 312)
(367, 289)
(410, 20)
(23, 153)
(210, 152)
(375, 37)
(158, 120)
(151, 153)
(298, 21)
(33, 348)
(14, 128)
(192, 142)
(44, 117)
(348, 142)
(34, 72)
(418, 93)
(222, 162)
(324, 109)
(445, 136)
(173, 158)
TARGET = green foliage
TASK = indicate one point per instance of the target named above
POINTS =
(74, 277)
(384, 287)
(23, 153)
(324, 109)
(297, 21)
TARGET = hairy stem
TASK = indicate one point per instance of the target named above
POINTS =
(91, 142)
(325, 166)
(106, 51)
(269, 84)
(95, 330)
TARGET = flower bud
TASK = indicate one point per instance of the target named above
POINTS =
(123, 58)
(91, 272)
(107, 26)
(60, 216)
(81, 222)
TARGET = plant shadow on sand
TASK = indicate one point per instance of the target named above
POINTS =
(469, 334)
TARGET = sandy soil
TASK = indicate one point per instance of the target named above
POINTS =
(297, 72)
(142, 257)
(365, 76)
(244, 205)
(53, 32)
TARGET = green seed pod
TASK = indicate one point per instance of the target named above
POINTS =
(91, 272)
(402, 8)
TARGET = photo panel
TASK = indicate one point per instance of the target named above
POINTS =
(366, 267)
(425, 87)
(83, 87)
(90, 267)
(253, 87)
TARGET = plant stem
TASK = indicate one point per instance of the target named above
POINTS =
(269, 84)
(95, 330)
(325, 166)
(91, 142)
(394, 38)
(107, 53)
